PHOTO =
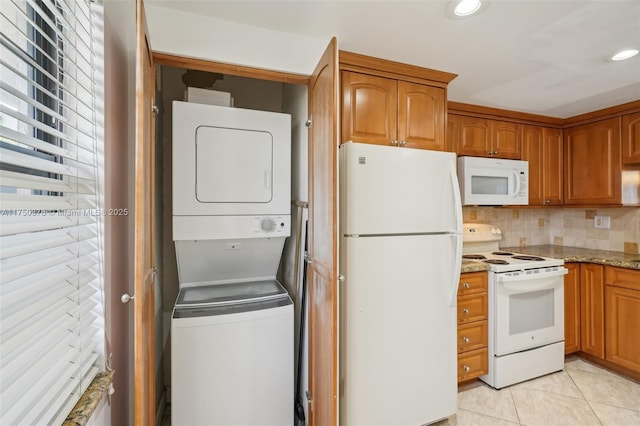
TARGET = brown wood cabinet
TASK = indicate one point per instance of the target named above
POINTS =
(592, 309)
(386, 111)
(542, 148)
(481, 137)
(622, 317)
(592, 163)
(472, 326)
(572, 308)
(631, 138)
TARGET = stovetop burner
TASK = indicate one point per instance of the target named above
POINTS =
(496, 261)
(473, 256)
(502, 253)
(525, 257)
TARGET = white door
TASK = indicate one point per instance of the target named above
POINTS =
(529, 309)
(398, 330)
(398, 190)
(233, 165)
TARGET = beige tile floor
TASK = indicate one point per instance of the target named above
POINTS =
(582, 395)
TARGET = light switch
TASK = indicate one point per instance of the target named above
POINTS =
(602, 222)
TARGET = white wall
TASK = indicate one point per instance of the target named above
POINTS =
(197, 36)
(119, 143)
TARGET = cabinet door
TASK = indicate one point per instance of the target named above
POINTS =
(572, 308)
(631, 138)
(505, 139)
(551, 167)
(622, 327)
(473, 136)
(622, 317)
(369, 107)
(532, 152)
(592, 309)
(592, 163)
(421, 116)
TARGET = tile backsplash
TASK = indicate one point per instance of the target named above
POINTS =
(562, 226)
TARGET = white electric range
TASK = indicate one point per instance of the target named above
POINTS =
(526, 308)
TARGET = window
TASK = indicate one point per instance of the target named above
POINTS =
(51, 215)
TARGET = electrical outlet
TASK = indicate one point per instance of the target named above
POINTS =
(602, 222)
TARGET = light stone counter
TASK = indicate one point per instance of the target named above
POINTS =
(575, 254)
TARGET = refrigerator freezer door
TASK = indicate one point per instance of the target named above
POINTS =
(398, 331)
(398, 190)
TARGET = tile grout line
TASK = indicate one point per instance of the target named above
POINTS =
(585, 398)
(513, 400)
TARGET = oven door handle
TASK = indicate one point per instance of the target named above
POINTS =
(543, 280)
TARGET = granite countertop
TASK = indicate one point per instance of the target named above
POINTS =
(473, 266)
(575, 254)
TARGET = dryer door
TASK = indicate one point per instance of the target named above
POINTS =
(233, 165)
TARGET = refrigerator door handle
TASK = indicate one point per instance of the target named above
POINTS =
(457, 201)
(455, 278)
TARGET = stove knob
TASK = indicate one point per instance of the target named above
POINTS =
(268, 225)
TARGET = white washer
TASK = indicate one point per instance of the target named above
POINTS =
(233, 355)
(232, 326)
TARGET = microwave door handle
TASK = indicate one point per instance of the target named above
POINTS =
(517, 181)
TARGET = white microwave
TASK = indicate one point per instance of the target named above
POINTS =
(493, 181)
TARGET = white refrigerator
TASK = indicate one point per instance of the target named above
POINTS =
(401, 244)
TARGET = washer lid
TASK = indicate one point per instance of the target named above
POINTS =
(232, 293)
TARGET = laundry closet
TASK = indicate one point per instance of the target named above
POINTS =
(230, 235)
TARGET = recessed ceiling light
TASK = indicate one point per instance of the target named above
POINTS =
(624, 54)
(467, 7)
(461, 9)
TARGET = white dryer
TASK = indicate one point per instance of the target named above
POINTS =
(232, 326)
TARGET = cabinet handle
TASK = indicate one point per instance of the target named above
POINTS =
(465, 311)
(465, 285)
(466, 368)
(403, 143)
(466, 339)
(394, 142)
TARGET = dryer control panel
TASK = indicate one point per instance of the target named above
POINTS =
(272, 225)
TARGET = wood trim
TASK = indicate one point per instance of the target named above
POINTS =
(229, 69)
(603, 114)
(384, 68)
(478, 111)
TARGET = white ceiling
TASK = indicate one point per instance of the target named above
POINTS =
(542, 57)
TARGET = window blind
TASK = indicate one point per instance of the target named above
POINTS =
(51, 208)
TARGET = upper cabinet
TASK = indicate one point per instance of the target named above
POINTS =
(542, 148)
(389, 103)
(592, 163)
(481, 137)
(387, 111)
(631, 138)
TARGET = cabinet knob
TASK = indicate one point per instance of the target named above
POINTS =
(465, 285)
(547, 201)
(495, 152)
(394, 142)
(466, 339)
(126, 298)
(466, 368)
(403, 143)
(465, 310)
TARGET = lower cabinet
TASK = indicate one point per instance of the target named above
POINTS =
(592, 309)
(622, 317)
(572, 308)
(472, 326)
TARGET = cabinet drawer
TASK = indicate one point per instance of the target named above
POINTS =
(472, 336)
(622, 277)
(472, 308)
(472, 282)
(472, 364)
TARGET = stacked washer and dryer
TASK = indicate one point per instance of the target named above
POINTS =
(232, 324)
